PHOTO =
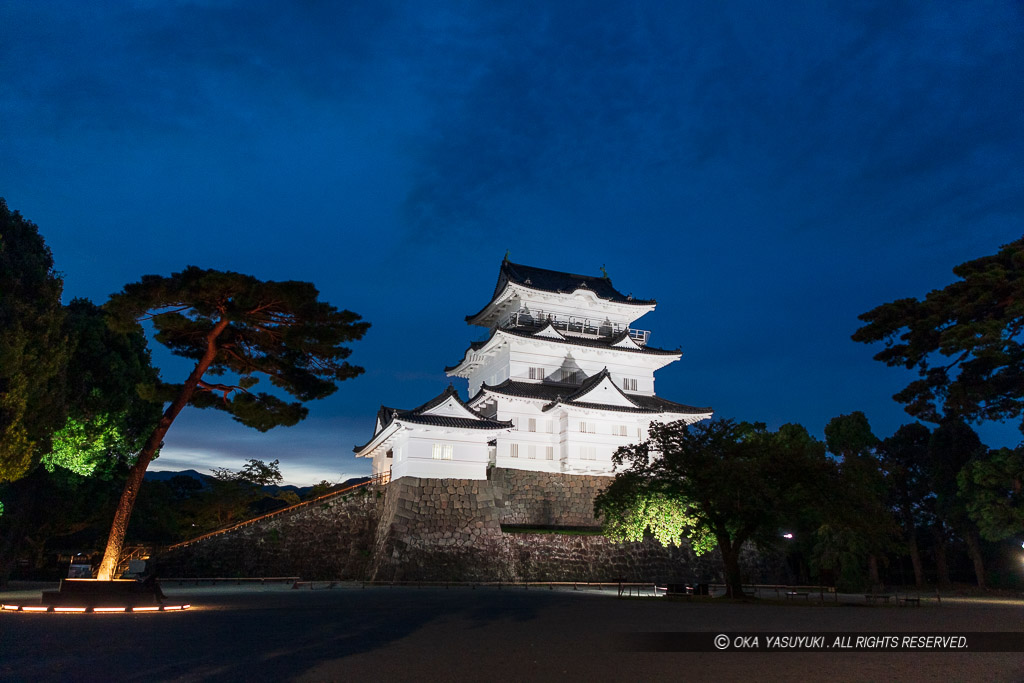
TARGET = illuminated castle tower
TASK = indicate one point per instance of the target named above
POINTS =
(561, 381)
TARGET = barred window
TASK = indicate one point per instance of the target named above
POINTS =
(443, 451)
(513, 450)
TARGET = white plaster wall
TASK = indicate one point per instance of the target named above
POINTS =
(495, 371)
(469, 457)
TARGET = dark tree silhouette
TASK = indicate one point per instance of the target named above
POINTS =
(992, 488)
(904, 456)
(715, 483)
(964, 340)
(233, 324)
(864, 514)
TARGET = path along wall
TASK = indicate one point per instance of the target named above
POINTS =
(451, 530)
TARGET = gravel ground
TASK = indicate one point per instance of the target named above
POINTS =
(236, 633)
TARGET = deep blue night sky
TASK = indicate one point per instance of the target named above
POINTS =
(766, 171)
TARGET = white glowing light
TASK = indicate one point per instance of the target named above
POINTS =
(787, 535)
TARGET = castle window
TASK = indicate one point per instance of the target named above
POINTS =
(571, 377)
(533, 424)
(531, 452)
(443, 451)
(588, 427)
(620, 430)
(588, 453)
(536, 373)
(629, 383)
(513, 450)
(549, 452)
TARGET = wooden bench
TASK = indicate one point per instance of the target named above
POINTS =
(797, 594)
(908, 601)
(872, 597)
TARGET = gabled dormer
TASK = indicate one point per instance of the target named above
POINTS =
(624, 341)
(549, 331)
(601, 389)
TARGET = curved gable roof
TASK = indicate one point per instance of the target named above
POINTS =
(556, 281)
(420, 415)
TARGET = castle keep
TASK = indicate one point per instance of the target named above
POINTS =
(562, 380)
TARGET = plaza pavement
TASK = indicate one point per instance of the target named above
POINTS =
(275, 633)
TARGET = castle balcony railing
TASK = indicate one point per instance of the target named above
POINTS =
(534, 319)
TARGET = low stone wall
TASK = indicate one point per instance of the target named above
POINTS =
(565, 557)
(418, 529)
(329, 540)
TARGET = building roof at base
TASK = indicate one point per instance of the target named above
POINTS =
(554, 394)
(386, 415)
(544, 280)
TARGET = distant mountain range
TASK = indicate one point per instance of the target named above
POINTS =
(301, 491)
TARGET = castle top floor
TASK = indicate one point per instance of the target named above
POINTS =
(578, 305)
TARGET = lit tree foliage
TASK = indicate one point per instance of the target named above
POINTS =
(106, 425)
(714, 483)
(993, 490)
(236, 325)
(636, 508)
(964, 340)
(32, 350)
(108, 420)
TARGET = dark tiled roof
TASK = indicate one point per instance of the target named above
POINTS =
(553, 392)
(557, 281)
(598, 343)
(386, 415)
(545, 280)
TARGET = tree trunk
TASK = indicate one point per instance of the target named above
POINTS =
(941, 566)
(119, 527)
(873, 571)
(731, 559)
(910, 529)
(974, 549)
(915, 559)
